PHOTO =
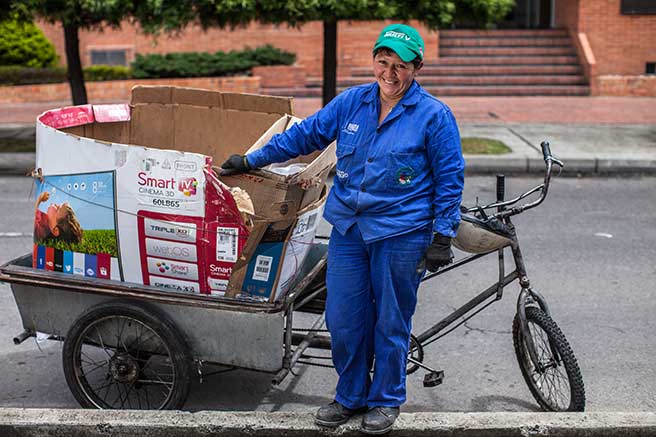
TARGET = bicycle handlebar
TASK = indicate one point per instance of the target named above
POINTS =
(549, 160)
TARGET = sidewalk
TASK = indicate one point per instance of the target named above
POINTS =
(593, 135)
(54, 422)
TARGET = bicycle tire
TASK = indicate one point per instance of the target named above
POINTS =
(159, 345)
(537, 381)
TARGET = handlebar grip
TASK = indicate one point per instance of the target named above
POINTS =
(501, 187)
(546, 150)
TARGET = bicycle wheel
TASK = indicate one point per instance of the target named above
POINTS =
(556, 384)
(122, 356)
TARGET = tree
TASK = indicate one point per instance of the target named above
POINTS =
(74, 15)
(330, 12)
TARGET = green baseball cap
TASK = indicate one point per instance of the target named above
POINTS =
(403, 39)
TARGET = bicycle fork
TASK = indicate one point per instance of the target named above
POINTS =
(528, 296)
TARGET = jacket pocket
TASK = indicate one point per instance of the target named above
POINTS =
(403, 168)
(345, 156)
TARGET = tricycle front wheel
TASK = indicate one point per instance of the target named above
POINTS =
(122, 356)
(556, 381)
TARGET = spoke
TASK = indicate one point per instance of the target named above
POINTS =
(99, 366)
(146, 392)
(102, 386)
(127, 396)
(102, 343)
(120, 395)
(155, 382)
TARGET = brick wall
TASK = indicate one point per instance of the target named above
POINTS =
(567, 15)
(621, 43)
(635, 86)
(355, 41)
(119, 90)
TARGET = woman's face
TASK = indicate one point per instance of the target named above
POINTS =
(394, 76)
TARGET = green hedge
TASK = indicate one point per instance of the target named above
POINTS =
(155, 66)
(23, 44)
(13, 75)
(196, 64)
(106, 72)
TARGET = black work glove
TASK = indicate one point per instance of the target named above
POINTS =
(439, 253)
(234, 165)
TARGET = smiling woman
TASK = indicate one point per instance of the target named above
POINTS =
(394, 209)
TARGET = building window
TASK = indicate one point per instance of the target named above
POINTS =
(109, 57)
(638, 7)
(651, 68)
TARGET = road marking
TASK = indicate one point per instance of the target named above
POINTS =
(603, 234)
(15, 234)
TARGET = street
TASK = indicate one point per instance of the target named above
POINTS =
(589, 249)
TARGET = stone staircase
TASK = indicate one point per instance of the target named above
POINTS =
(505, 63)
(509, 62)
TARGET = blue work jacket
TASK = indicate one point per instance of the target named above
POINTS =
(392, 178)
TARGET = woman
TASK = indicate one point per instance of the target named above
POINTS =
(394, 208)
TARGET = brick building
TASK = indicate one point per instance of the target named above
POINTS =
(547, 47)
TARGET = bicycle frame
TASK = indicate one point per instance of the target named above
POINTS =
(527, 295)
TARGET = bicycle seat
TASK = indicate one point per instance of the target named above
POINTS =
(476, 235)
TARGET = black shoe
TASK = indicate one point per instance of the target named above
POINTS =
(334, 414)
(379, 420)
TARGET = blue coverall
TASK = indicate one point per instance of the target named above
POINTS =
(396, 183)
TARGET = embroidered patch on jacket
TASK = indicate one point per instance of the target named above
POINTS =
(405, 176)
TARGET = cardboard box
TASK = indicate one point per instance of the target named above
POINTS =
(140, 177)
(277, 196)
(274, 254)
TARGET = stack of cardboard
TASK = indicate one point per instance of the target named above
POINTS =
(172, 221)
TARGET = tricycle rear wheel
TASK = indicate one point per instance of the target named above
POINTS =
(556, 383)
(122, 356)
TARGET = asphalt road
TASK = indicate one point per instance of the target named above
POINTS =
(589, 249)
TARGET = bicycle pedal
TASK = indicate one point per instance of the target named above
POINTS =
(433, 379)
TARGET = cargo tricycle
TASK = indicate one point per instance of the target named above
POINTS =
(132, 346)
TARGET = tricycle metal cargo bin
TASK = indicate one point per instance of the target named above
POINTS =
(134, 346)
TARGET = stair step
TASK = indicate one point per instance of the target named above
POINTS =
(495, 33)
(508, 60)
(507, 51)
(466, 70)
(508, 90)
(505, 42)
(530, 80)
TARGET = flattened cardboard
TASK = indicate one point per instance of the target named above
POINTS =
(111, 132)
(197, 128)
(270, 190)
(152, 126)
(271, 243)
(214, 124)
(151, 94)
(195, 97)
(257, 103)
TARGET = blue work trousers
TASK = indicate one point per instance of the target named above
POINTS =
(372, 295)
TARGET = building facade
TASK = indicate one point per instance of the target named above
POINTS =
(614, 42)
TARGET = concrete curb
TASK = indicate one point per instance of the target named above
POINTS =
(55, 422)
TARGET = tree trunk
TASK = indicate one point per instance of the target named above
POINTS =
(329, 61)
(75, 75)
